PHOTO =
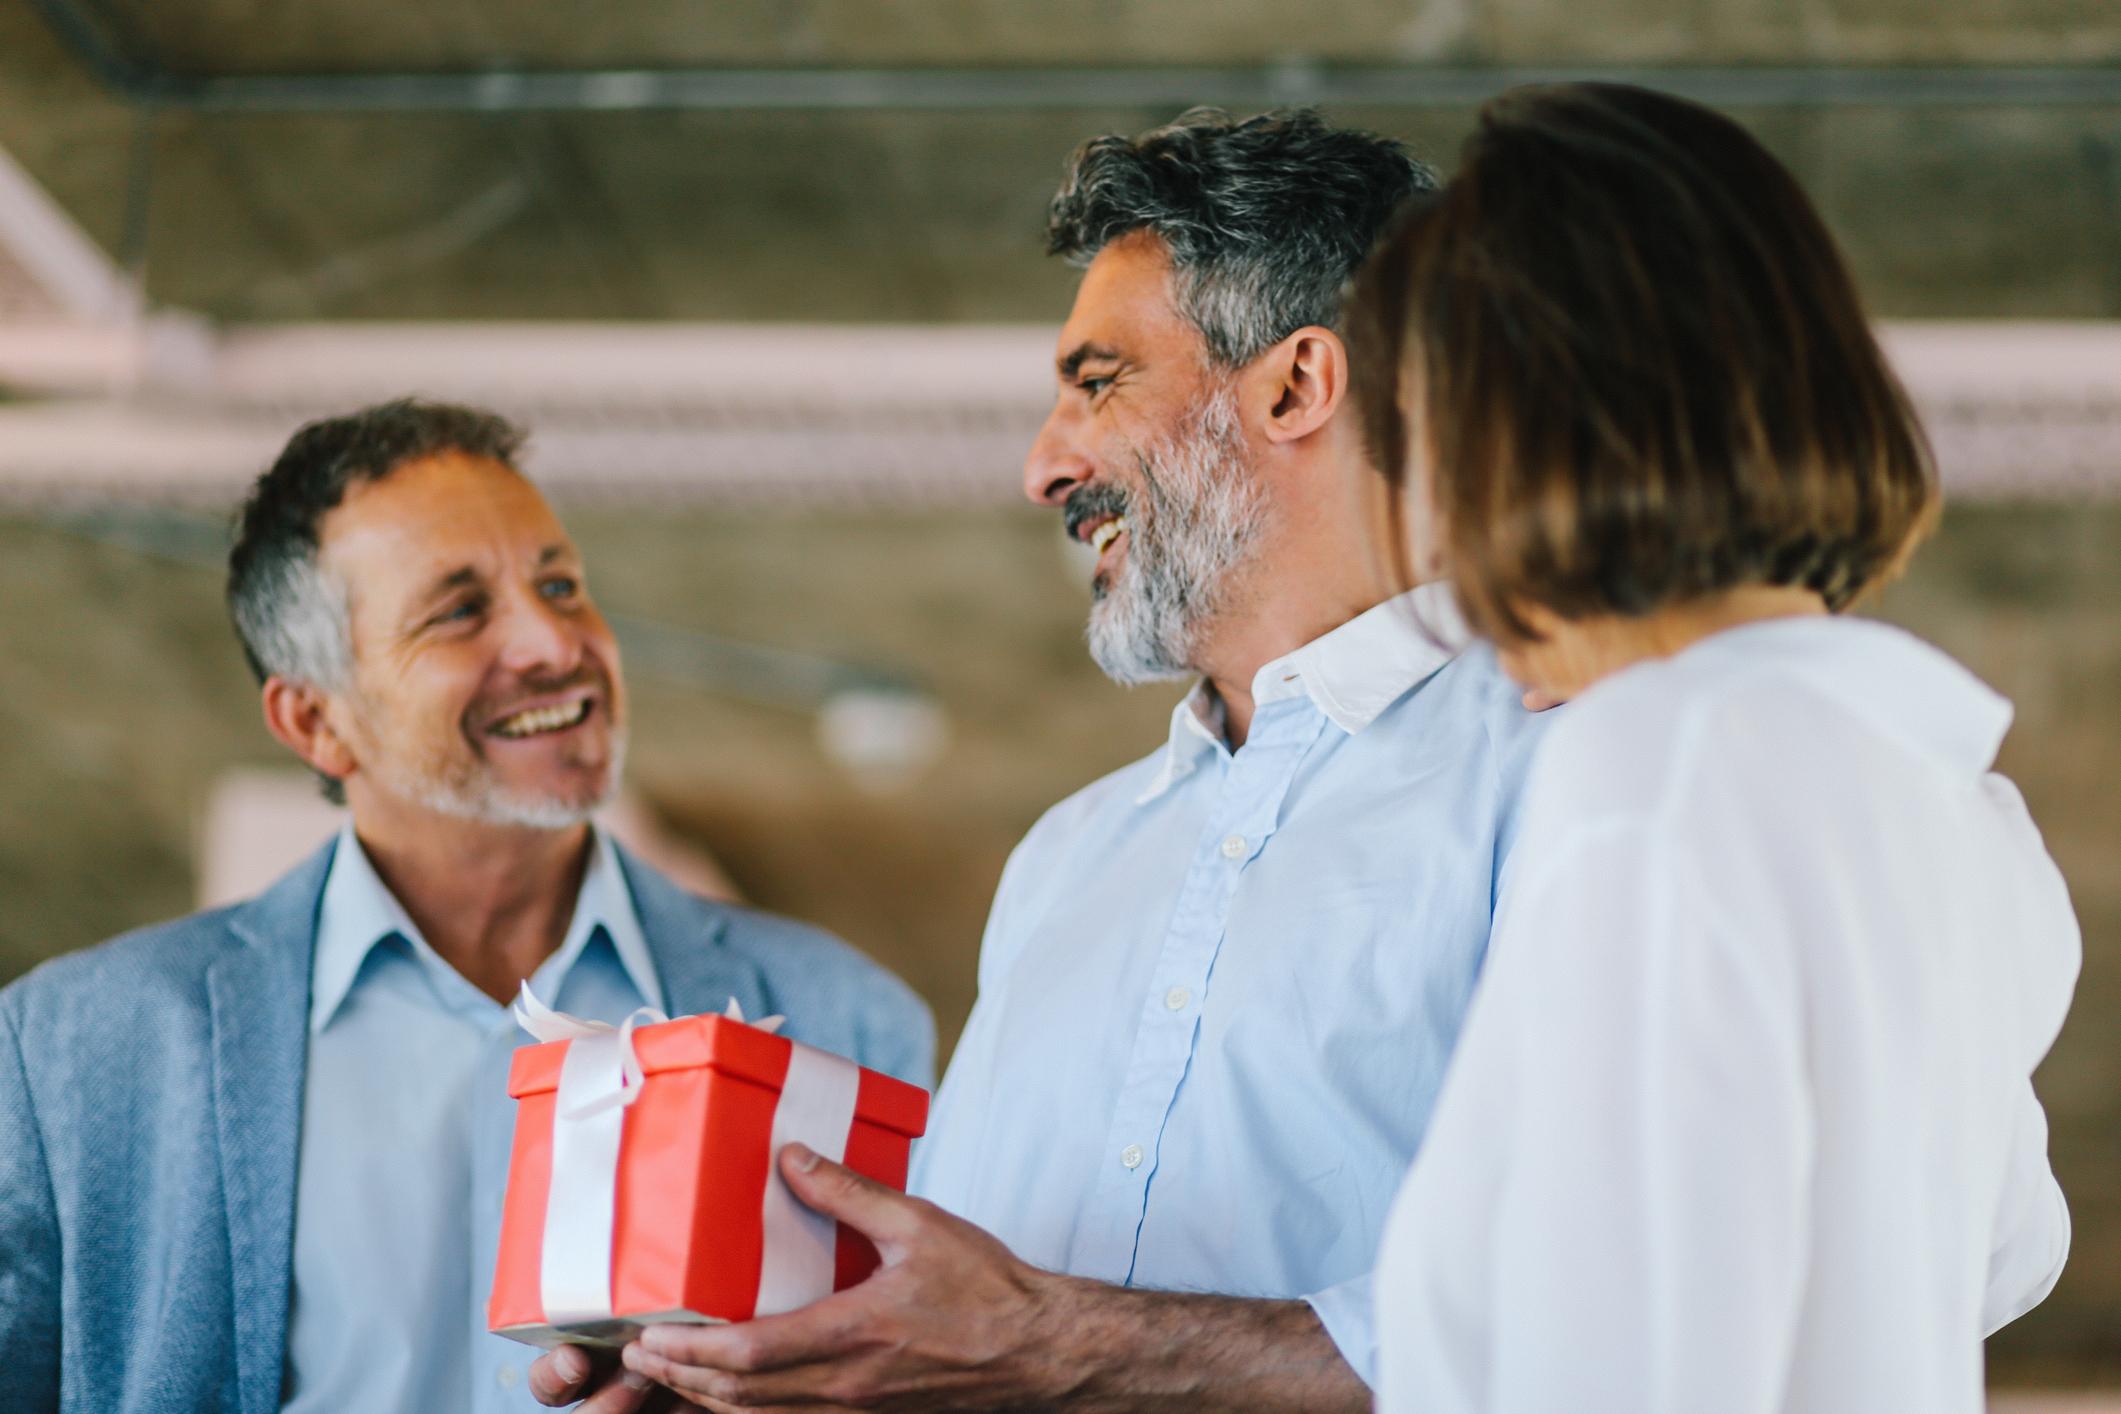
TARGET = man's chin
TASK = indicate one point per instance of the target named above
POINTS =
(562, 800)
(1128, 655)
(517, 807)
(550, 807)
(538, 812)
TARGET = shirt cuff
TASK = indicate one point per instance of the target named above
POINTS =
(1345, 1312)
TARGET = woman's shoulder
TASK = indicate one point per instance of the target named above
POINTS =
(1717, 713)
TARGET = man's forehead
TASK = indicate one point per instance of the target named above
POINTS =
(1124, 297)
(440, 515)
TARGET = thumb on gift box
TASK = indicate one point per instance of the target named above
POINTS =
(883, 1215)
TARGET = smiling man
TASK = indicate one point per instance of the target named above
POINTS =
(1219, 987)
(254, 1159)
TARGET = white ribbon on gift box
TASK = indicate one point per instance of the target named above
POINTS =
(599, 1077)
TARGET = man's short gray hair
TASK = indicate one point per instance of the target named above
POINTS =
(293, 620)
(290, 616)
(1266, 220)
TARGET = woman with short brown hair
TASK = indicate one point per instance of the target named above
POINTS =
(1741, 1118)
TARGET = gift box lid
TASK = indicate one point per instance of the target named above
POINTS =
(731, 1048)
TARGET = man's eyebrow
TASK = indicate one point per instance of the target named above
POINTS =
(440, 587)
(1080, 355)
(456, 579)
(551, 553)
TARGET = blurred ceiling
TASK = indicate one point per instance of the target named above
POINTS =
(254, 36)
(1969, 155)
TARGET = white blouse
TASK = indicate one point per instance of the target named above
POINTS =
(1741, 1118)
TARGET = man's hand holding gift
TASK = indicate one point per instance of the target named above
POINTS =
(944, 1323)
(952, 1320)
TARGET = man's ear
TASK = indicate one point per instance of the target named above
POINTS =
(1302, 382)
(295, 714)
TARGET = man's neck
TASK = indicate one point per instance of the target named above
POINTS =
(1232, 656)
(1314, 571)
(492, 901)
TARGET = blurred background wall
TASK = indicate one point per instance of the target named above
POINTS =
(764, 278)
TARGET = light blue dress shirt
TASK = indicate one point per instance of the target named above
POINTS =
(406, 1132)
(1218, 989)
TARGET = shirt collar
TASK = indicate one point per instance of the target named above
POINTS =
(358, 911)
(1351, 674)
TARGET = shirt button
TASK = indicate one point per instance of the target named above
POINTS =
(1131, 1156)
(507, 1376)
(1234, 847)
(1176, 999)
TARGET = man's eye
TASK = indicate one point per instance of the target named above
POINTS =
(461, 612)
(560, 587)
(1093, 386)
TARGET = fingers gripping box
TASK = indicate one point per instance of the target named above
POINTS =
(642, 1185)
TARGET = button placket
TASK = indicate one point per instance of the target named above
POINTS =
(1252, 785)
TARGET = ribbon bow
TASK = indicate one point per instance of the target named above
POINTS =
(607, 1042)
(546, 1024)
(771, 1025)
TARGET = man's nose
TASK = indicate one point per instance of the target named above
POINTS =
(539, 640)
(1054, 467)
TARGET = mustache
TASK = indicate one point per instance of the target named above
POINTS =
(1087, 503)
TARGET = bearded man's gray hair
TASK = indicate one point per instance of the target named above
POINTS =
(1266, 220)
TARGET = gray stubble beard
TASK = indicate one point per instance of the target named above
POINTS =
(472, 794)
(489, 803)
(1205, 512)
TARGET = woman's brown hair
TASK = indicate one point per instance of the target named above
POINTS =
(1625, 355)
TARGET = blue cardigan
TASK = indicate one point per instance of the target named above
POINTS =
(150, 1108)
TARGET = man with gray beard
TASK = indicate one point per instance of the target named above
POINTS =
(253, 1160)
(1218, 987)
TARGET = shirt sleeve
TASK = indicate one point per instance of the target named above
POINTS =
(2032, 1224)
(1651, 1227)
(2032, 1233)
(29, 1244)
(1348, 1316)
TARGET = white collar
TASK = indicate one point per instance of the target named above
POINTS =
(358, 911)
(1351, 674)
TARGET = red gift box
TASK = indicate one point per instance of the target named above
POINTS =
(701, 1227)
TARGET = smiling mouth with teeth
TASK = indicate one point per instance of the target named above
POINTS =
(539, 720)
(1105, 534)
